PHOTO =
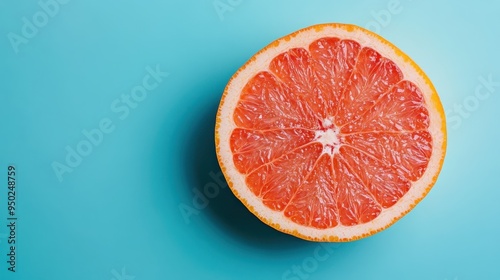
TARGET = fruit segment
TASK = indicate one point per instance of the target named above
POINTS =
(407, 153)
(276, 181)
(266, 103)
(254, 148)
(333, 61)
(400, 109)
(373, 76)
(383, 182)
(355, 203)
(314, 202)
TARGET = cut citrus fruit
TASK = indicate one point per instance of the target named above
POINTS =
(330, 133)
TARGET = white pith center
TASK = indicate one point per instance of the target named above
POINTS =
(328, 137)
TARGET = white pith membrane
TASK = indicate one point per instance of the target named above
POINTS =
(329, 137)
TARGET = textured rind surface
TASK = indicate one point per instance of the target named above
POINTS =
(301, 38)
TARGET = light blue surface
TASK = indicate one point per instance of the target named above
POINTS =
(117, 214)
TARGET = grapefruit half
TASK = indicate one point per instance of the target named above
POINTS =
(330, 133)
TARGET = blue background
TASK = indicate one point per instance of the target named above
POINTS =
(118, 215)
